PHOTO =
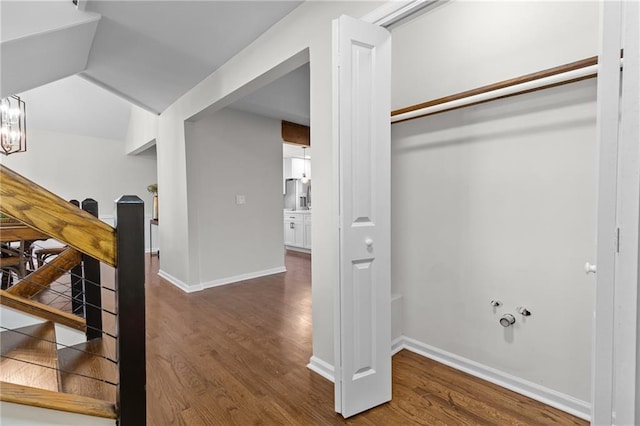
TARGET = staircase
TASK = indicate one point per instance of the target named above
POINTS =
(31, 374)
(70, 342)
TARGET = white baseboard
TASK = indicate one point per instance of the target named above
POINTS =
(222, 281)
(397, 345)
(178, 283)
(545, 395)
(322, 368)
(298, 249)
(243, 277)
(559, 400)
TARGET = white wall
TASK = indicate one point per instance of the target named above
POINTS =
(462, 45)
(303, 35)
(142, 130)
(79, 167)
(235, 153)
(497, 201)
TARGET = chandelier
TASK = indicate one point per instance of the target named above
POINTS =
(13, 134)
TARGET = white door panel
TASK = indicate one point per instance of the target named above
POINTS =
(363, 341)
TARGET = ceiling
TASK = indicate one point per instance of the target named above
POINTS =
(295, 151)
(287, 98)
(155, 51)
(74, 105)
(146, 52)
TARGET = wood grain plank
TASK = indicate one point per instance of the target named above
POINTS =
(88, 361)
(42, 311)
(30, 361)
(45, 212)
(20, 232)
(501, 85)
(42, 277)
(237, 354)
(35, 397)
(296, 134)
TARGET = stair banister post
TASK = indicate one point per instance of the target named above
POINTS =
(91, 287)
(130, 301)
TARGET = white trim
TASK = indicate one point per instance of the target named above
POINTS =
(550, 397)
(178, 283)
(397, 345)
(298, 249)
(322, 368)
(608, 114)
(532, 390)
(243, 277)
(626, 274)
(394, 11)
(222, 281)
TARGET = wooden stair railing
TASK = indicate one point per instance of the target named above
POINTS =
(33, 283)
(49, 214)
(57, 401)
(42, 311)
(46, 213)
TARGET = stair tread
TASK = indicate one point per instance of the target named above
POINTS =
(30, 361)
(44, 311)
(19, 394)
(85, 364)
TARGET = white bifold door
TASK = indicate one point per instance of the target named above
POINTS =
(362, 65)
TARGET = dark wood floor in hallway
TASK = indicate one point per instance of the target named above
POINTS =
(237, 355)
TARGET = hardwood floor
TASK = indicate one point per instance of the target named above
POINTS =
(29, 356)
(237, 355)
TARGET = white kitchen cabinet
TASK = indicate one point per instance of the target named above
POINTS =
(297, 230)
(307, 231)
(293, 230)
(295, 167)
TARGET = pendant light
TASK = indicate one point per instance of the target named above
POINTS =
(13, 132)
(305, 179)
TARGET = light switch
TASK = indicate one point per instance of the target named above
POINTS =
(240, 199)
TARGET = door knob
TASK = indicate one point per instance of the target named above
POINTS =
(589, 268)
(368, 242)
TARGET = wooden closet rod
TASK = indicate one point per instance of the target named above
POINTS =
(552, 77)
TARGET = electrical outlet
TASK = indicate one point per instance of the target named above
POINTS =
(240, 199)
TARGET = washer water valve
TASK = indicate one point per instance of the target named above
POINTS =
(507, 320)
(523, 311)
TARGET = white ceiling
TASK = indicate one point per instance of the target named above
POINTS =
(287, 98)
(74, 105)
(154, 51)
(41, 42)
(295, 151)
(148, 52)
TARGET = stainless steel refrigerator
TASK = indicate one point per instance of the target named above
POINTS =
(297, 195)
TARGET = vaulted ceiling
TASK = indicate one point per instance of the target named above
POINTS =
(154, 51)
(148, 52)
